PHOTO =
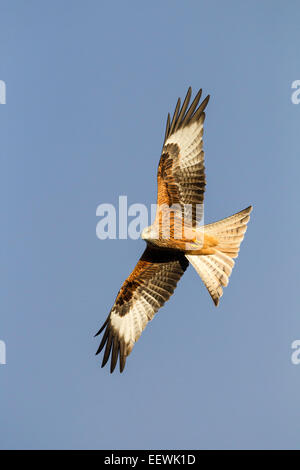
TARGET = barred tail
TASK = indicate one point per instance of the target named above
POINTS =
(215, 269)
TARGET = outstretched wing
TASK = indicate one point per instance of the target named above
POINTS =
(181, 171)
(148, 287)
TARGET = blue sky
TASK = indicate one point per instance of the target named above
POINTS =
(89, 86)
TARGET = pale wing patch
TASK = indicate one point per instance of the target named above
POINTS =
(190, 143)
(130, 326)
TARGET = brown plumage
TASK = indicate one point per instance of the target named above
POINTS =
(175, 238)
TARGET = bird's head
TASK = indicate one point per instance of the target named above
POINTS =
(149, 233)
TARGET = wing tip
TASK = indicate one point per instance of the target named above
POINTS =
(114, 350)
(184, 116)
(102, 327)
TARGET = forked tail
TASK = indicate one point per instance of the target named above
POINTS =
(215, 269)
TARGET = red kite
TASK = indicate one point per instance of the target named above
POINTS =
(209, 248)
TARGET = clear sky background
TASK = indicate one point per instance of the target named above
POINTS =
(89, 86)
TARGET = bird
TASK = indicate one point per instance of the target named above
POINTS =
(176, 238)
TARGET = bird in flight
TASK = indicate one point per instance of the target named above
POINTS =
(176, 237)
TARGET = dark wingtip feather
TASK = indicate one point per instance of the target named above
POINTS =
(185, 115)
(183, 109)
(191, 109)
(175, 116)
(107, 349)
(122, 355)
(201, 109)
(114, 354)
(102, 327)
(114, 348)
(103, 341)
(167, 128)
